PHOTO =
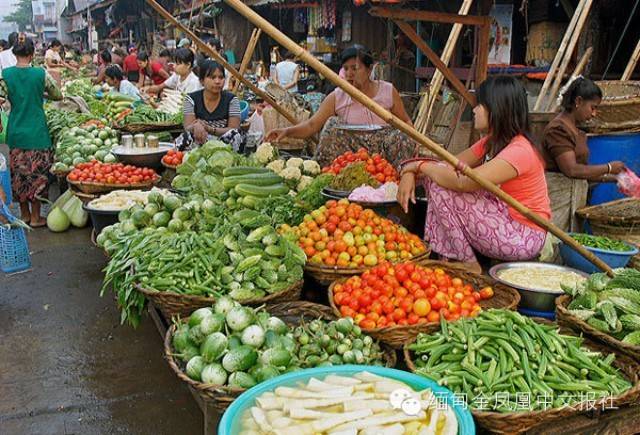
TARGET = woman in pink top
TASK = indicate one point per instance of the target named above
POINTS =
(461, 216)
(339, 109)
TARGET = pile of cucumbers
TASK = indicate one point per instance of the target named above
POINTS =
(245, 186)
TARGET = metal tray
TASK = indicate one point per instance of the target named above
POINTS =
(359, 127)
(495, 270)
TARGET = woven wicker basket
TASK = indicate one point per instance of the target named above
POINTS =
(174, 304)
(60, 174)
(565, 318)
(143, 128)
(518, 422)
(86, 198)
(89, 187)
(291, 312)
(325, 275)
(396, 336)
(621, 102)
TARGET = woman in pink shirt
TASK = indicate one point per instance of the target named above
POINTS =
(340, 109)
(463, 218)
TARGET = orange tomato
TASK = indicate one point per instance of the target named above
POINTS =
(421, 307)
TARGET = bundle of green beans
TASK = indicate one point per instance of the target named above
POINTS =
(600, 242)
(501, 356)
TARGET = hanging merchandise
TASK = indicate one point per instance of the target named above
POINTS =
(329, 14)
(300, 20)
(346, 26)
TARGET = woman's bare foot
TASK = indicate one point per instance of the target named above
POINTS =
(25, 212)
(38, 223)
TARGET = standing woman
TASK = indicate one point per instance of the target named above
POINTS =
(463, 217)
(28, 137)
(288, 73)
(213, 112)
(54, 61)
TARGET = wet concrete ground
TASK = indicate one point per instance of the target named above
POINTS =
(67, 366)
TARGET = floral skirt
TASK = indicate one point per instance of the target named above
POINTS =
(30, 173)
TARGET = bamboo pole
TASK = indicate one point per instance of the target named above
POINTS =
(567, 58)
(626, 75)
(248, 54)
(357, 95)
(234, 72)
(559, 55)
(576, 72)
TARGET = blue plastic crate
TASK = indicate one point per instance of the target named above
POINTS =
(14, 250)
(5, 182)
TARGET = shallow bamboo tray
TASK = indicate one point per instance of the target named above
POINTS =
(90, 187)
(396, 336)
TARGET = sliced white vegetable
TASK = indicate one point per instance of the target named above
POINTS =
(396, 429)
(269, 403)
(305, 414)
(316, 385)
(374, 405)
(304, 394)
(369, 377)
(282, 422)
(301, 429)
(344, 432)
(260, 418)
(451, 426)
(381, 420)
(341, 380)
(435, 415)
(388, 387)
(363, 387)
(321, 403)
(274, 415)
(329, 423)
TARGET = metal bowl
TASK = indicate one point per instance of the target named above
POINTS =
(143, 157)
(533, 298)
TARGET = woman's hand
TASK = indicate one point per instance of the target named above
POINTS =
(277, 134)
(407, 190)
(200, 132)
(617, 167)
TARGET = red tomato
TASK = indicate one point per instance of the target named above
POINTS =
(486, 293)
(367, 324)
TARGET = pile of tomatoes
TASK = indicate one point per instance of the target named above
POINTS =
(111, 173)
(377, 166)
(406, 294)
(173, 157)
(345, 234)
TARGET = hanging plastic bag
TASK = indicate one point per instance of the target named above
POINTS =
(629, 183)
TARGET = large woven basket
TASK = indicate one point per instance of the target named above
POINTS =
(325, 275)
(396, 336)
(173, 304)
(90, 187)
(620, 102)
(565, 318)
(291, 312)
(518, 422)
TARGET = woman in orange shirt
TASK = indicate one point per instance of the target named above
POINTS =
(463, 217)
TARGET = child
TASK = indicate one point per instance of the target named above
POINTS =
(183, 79)
(115, 79)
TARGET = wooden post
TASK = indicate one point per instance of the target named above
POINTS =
(483, 54)
(248, 54)
(204, 47)
(572, 45)
(632, 63)
(408, 30)
(559, 55)
(391, 119)
(576, 72)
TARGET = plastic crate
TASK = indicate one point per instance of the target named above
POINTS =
(14, 250)
(5, 182)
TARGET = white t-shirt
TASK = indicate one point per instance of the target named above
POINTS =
(53, 56)
(7, 60)
(286, 71)
(186, 86)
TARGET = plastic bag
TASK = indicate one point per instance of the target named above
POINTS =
(629, 183)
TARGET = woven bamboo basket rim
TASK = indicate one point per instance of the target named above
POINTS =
(168, 166)
(568, 319)
(60, 174)
(517, 422)
(92, 187)
(172, 303)
(628, 87)
(222, 396)
(317, 268)
(621, 211)
(396, 336)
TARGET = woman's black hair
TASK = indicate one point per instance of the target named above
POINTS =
(105, 56)
(55, 43)
(214, 42)
(166, 53)
(24, 47)
(359, 52)
(184, 56)
(143, 56)
(114, 72)
(93, 51)
(4, 44)
(208, 68)
(13, 38)
(289, 55)
(581, 87)
(505, 98)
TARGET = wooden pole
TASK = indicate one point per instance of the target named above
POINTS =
(626, 75)
(567, 58)
(248, 54)
(559, 55)
(576, 72)
(357, 95)
(234, 72)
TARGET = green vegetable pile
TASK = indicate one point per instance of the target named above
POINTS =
(600, 242)
(611, 305)
(501, 353)
(79, 145)
(353, 176)
(60, 120)
(235, 346)
(145, 114)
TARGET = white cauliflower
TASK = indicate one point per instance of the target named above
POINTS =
(291, 174)
(311, 167)
(295, 162)
(266, 153)
(276, 166)
(304, 182)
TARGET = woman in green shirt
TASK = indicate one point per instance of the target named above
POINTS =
(31, 150)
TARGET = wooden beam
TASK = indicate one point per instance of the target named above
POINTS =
(248, 55)
(576, 72)
(632, 63)
(434, 17)
(483, 54)
(408, 30)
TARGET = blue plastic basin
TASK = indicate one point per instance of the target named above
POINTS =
(244, 110)
(230, 423)
(613, 258)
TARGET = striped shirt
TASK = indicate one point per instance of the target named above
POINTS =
(228, 107)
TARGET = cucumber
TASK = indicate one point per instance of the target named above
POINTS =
(244, 170)
(263, 179)
(261, 191)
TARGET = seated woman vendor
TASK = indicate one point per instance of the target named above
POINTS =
(565, 145)
(212, 112)
(338, 108)
(461, 216)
